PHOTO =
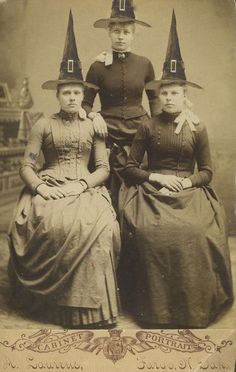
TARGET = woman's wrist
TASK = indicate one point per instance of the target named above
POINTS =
(187, 183)
(155, 177)
(93, 114)
(36, 188)
(84, 184)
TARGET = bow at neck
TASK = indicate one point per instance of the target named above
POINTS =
(108, 56)
(72, 116)
(186, 116)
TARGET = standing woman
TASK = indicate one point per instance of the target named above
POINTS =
(171, 216)
(121, 77)
(64, 235)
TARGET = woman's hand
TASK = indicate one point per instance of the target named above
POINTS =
(171, 182)
(74, 188)
(186, 183)
(99, 124)
(50, 181)
(50, 192)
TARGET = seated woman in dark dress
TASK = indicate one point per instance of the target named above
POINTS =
(64, 236)
(172, 219)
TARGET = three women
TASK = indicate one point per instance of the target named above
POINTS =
(170, 217)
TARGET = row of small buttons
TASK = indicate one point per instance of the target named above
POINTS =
(159, 136)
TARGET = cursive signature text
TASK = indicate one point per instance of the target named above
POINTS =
(184, 364)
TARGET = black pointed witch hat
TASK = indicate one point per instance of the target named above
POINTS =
(173, 68)
(70, 69)
(122, 11)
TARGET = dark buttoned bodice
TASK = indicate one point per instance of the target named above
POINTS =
(121, 85)
(170, 153)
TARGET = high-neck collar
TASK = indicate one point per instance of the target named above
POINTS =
(169, 117)
(68, 116)
(120, 55)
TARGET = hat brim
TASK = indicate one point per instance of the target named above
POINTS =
(53, 84)
(105, 22)
(156, 84)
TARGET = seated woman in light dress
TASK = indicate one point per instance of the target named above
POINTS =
(64, 237)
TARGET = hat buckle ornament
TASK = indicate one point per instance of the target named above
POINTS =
(122, 12)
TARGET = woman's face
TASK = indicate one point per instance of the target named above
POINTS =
(70, 97)
(121, 36)
(172, 98)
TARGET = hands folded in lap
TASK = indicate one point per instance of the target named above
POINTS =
(58, 192)
(171, 184)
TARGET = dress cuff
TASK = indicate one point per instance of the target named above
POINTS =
(35, 186)
(84, 183)
(194, 179)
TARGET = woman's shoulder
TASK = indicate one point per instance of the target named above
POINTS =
(89, 123)
(41, 125)
(146, 126)
(96, 67)
(157, 118)
(141, 59)
(200, 127)
(87, 126)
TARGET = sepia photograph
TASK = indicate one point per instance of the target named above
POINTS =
(117, 172)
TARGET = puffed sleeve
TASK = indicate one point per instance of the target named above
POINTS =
(132, 173)
(203, 158)
(154, 102)
(90, 93)
(101, 173)
(28, 169)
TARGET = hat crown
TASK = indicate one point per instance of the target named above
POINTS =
(173, 67)
(122, 8)
(70, 66)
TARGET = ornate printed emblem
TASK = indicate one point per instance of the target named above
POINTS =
(116, 347)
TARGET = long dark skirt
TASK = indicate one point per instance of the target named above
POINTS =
(178, 256)
(64, 251)
(121, 134)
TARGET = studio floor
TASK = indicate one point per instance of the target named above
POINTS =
(11, 317)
